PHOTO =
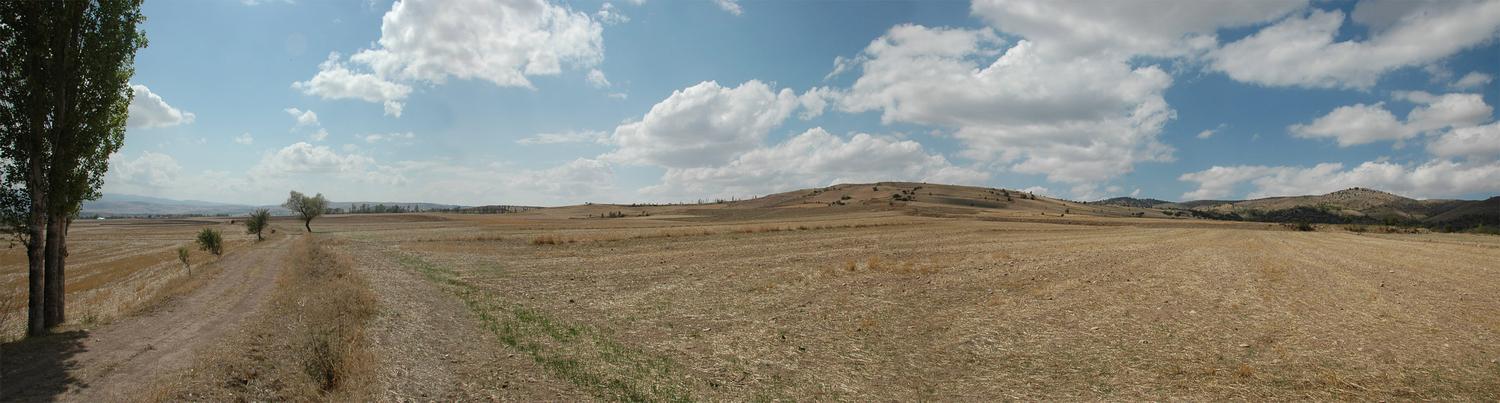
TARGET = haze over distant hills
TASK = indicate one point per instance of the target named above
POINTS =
(123, 205)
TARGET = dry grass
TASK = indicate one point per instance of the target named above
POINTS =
(954, 309)
(115, 269)
(309, 345)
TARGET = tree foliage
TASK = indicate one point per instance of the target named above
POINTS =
(306, 208)
(258, 222)
(210, 240)
(65, 69)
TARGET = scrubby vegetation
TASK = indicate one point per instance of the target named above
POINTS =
(257, 222)
(210, 240)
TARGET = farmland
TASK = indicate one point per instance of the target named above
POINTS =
(807, 299)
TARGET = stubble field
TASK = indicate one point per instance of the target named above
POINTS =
(869, 304)
(855, 303)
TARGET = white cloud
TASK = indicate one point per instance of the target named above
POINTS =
(304, 158)
(146, 174)
(1075, 120)
(1123, 28)
(1438, 178)
(336, 81)
(702, 125)
(1476, 143)
(244, 139)
(1206, 134)
(319, 135)
(430, 41)
(502, 42)
(1300, 50)
(1362, 124)
(815, 158)
(618, 95)
(1354, 125)
(584, 136)
(1472, 80)
(379, 137)
(573, 182)
(148, 110)
(304, 118)
(609, 14)
(732, 6)
(597, 79)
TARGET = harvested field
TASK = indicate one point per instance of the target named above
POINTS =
(115, 268)
(909, 308)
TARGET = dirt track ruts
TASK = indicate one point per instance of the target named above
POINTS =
(113, 362)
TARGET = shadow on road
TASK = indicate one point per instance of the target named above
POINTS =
(39, 369)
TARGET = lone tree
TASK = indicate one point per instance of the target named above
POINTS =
(257, 222)
(65, 69)
(210, 240)
(307, 208)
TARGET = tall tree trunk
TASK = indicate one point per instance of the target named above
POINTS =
(55, 297)
(36, 267)
(65, 76)
(308, 224)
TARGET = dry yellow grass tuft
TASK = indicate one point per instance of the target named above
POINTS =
(309, 345)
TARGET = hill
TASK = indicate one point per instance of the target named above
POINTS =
(1353, 205)
(1131, 202)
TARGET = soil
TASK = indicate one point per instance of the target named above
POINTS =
(113, 362)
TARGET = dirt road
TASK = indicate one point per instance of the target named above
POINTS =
(113, 362)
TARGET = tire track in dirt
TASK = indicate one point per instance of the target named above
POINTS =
(116, 361)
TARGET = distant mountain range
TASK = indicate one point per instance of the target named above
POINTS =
(121, 205)
(1353, 205)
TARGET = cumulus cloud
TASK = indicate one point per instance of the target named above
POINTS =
(144, 174)
(304, 118)
(336, 81)
(597, 79)
(430, 41)
(609, 14)
(1301, 50)
(1474, 143)
(303, 158)
(1075, 120)
(501, 42)
(815, 158)
(380, 137)
(1437, 178)
(1362, 124)
(1472, 80)
(732, 6)
(703, 125)
(583, 136)
(148, 110)
(1122, 28)
(244, 139)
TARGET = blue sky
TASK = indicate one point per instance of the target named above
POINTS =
(549, 102)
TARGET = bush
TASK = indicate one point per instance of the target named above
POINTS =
(258, 222)
(210, 240)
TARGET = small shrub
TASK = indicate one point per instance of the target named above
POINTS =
(210, 240)
(1356, 228)
(257, 223)
(182, 256)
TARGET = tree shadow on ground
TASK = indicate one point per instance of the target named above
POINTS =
(39, 368)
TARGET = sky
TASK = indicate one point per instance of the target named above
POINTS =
(544, 102)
